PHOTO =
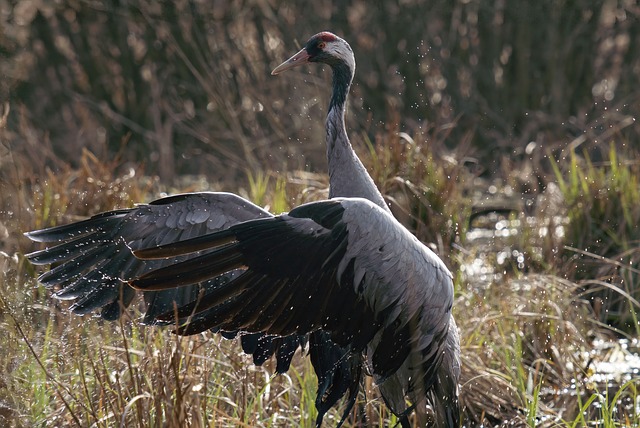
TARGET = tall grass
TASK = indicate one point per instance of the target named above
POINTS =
(73, 371)
(523, 333)
(424, 182)
(603, 237)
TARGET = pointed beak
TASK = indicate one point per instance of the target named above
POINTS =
(300, 58)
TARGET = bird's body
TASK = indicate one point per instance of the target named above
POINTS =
(342, 273)
(344, 266)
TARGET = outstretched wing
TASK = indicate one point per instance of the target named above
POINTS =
(289, 282)
(344, 266)
(92, 258)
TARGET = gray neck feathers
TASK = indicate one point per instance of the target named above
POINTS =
(347, 176)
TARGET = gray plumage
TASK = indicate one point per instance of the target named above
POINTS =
(345, 266)
(377, 300)
(93, 257)
(349, 178)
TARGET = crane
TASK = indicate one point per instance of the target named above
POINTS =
(410, 333)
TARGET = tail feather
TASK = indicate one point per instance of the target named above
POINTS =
(338, 370)
(444, 402)
(444, 394)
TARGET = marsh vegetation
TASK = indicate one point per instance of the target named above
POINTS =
(503, 135)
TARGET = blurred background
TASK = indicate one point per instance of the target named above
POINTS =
(185, 87)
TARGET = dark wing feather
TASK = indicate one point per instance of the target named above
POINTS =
(311, 287)
(291, 281)
(342, 266)
(93, 256)
(338, 370)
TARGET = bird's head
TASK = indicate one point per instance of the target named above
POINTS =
(324, 47)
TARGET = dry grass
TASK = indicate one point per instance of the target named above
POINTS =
(524, 333)
(603, 206)
(73, 371)
(103, 97)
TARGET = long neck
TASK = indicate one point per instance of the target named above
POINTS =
(347, 176)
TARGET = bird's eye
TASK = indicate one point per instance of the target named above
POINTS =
(321, 45)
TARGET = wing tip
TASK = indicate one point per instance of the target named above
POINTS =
(36, 235)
